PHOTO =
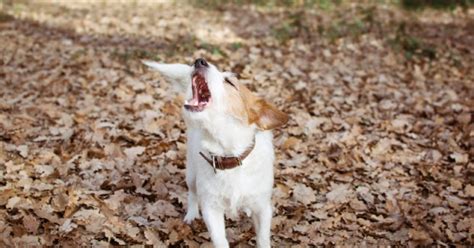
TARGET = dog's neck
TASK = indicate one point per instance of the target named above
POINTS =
(224, 136)
(227, 143)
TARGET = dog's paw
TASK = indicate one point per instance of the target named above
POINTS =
(190, 216)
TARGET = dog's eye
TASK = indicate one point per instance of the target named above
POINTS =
(229, 82)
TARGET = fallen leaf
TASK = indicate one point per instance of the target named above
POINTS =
(304, 194)
(133, 152)
(339, 193)
(23, 150)
(459, 158)
(469, 190)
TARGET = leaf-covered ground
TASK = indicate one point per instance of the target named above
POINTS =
(378, 151)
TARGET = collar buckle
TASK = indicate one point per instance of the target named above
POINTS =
(214, 161)
(239, 161)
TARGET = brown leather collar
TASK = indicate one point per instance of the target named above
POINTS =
(224, 163)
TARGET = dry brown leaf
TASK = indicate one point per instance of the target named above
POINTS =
(153, 238)
(469, 190)
(420, 236)
(459, 158)
(133, 152)
(339, 193)
(31, 223)
(304, 194)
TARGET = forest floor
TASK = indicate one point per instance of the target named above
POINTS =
(378, 151)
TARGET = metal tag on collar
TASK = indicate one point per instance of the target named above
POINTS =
(239, 161)
(214, 163)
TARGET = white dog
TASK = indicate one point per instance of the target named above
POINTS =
(230, 149)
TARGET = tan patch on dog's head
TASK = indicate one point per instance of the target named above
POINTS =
(235, 103)
(248, 108)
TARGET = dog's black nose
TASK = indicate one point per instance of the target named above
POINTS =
(200, 62)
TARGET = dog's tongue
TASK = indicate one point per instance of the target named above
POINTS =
(195, 100)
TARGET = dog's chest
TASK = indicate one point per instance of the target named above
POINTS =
(235, 188)
(239, 182)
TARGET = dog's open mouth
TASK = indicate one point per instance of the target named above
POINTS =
(201, 94)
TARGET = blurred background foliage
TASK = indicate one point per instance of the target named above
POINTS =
(326, 4)
(301, 20)
(437, 4)
(297, 22)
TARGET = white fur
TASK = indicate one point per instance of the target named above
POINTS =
(178, 74)
(248, 187)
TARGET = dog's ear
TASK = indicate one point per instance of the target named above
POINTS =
(263, 114)
(266, 115)
(179, 75)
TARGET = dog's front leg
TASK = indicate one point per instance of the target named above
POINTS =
(262, 218)
(193, 209)
(214, 219)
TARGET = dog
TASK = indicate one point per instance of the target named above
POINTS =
(230, 151)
